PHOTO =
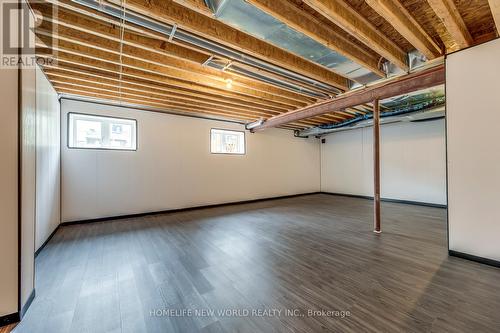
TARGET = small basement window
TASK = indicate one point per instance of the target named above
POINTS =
(101, 132)
(227, 142)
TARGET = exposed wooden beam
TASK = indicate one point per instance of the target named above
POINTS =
(165, 107)
(154, 81)
(453, 21)
(96, 16)
(394, 87)
(397, 15)
(78, 54)
(495, 11)
(67, 20)
(153, 99)
(376, 166)
(196, 5)
(142, 102)
(351, 21)
(71, 40)
(144, 99)
(97, 25)
(150, 95)
(309, 25)
(169, 12)
(151, 87)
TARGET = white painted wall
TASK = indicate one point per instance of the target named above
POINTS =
(473, 104)
(173, 167)
(28, 180)
(48, 135)
(413, 162)
(8, 192)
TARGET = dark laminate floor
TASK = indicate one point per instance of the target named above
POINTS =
(312, 252)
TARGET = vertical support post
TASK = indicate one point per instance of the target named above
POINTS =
(376, 167)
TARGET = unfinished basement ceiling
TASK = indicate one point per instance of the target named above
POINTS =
(248, 18)
(242, 60)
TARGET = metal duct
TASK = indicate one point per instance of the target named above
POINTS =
(213, 47)
(254, 21)
(215, 5)
(416, 60)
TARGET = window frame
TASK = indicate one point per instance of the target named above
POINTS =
(68, 124)
(228, 130)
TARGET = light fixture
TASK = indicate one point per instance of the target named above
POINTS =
(229, 83)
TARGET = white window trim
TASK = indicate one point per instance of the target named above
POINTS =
(228, 130)
(135, 135)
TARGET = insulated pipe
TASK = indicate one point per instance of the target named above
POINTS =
(376, 167)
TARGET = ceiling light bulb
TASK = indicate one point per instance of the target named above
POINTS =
(229, 83)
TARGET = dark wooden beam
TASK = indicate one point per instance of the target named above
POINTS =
(376, 166)
(395, 87)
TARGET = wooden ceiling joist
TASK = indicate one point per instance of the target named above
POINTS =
(397, 15)
(98, 25)
(171, 13)
(66, 20)
(395, 87)
(78, 54)
(453, 21)
(168, 108)
(300, 20)
(341, 14)
(62, 73)
(71, 40)
(495, 11)
(125, 93)
(96, 69)
(148, 95)
(138, 101)
(86, 13)
(196, 5)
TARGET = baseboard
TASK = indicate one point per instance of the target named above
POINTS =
(46, 241)
(28, 303)
(128, 216)
(9, 319)
(471, 257)
(119, 217)
(407, 202)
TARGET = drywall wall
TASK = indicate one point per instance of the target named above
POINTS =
(413, 162)
(9, 222)
(8, 192)
(48, 136)
(28, 181)
(473, 104)
(28, 163)
(173, 167)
